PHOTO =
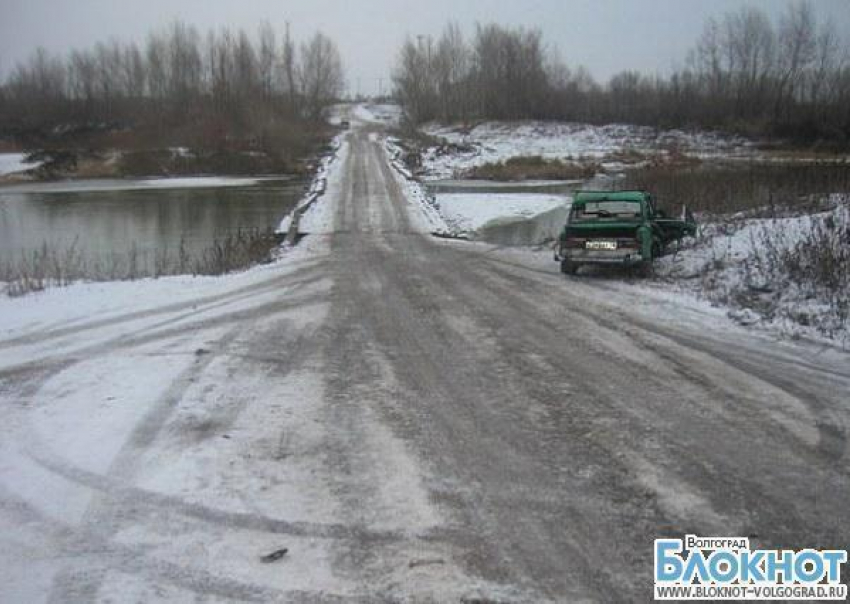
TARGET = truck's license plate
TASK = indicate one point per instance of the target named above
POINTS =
(601, 245)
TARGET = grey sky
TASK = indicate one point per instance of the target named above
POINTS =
(604, 35)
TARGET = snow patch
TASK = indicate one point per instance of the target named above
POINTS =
(492, 142)
(426, 213)
(739, 264)
(461, 214)
(378, 113)
(15, 162)
(315, 212)
(183, 152)
(471, 211)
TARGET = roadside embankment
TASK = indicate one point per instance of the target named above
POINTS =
(291, 226)
(533, 230)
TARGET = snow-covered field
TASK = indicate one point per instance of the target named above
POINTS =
(315, 217)
(738, 268)
(769, 271)
(377, 112)
(716, 280)
(14, 162)
(59, 307)
(471, 211)
(66, 454)
(462, 214)
(493, 142)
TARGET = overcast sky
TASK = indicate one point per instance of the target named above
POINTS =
(604, 35)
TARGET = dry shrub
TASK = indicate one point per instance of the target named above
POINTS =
(51, 267)
(759, 188)
(810, 264)
(625, 156)
(532, 167)
(236, 251)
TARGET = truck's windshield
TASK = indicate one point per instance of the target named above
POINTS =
(594, 210)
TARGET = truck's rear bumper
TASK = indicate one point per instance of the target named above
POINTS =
(627, 256)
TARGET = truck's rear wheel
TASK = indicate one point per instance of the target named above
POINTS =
(657, 250)
(645, 269)
(568, 268)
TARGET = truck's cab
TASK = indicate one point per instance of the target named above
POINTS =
(617, 227)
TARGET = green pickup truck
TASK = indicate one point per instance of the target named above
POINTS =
(617, 228)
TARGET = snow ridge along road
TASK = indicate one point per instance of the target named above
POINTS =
(410, 418)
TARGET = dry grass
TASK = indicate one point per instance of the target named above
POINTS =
(790, 271)
(532, 168)
(51, 267)
(263, 144)
(96, 167)
(625, 156)
(164, 162)
(813, 265)
(757, 188)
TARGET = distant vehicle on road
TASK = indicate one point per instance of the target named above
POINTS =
(345, 124)
(618, 228)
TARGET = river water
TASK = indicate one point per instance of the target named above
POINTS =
(103, 219)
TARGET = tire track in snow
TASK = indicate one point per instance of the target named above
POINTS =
(100, 555)
(156, 333)
(102, 514)
(832, 446)
(194, 306)
(115, 493)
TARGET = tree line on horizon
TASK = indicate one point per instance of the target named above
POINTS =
(745, 73)
(226, 83)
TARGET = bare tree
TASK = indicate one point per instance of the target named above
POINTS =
(750, 46)
(452, 65)
(220, 69)
(711, 76)
(288, 66)
(134, 72)
(82, 76)
(108, 58)
(184, 60)
(826, 67)
(246, 70)
(797, 47)
(414, 79)
(157, 58)
(509, 72)
(38, 86)
(321, 74)
(226, 90)
(267, 56)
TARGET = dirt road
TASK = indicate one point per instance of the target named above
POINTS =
(409, 418)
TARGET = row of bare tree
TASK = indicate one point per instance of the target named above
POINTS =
(177, 74)
(789, 78)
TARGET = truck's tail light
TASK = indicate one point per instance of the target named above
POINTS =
(573, 242)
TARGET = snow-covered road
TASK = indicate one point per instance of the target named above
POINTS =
(408, 417)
